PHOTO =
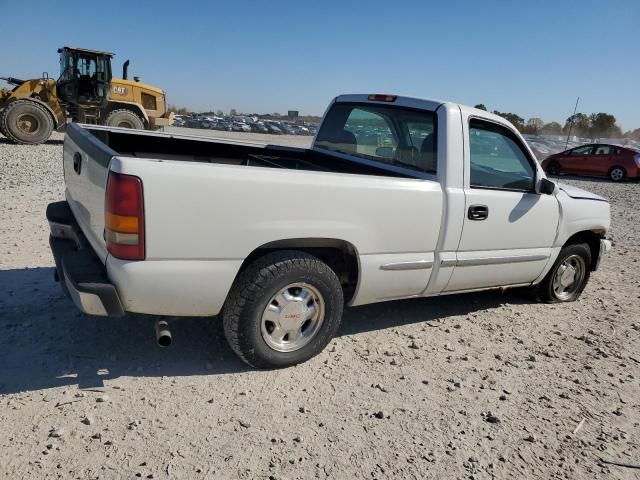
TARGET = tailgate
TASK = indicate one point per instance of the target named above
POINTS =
(86, 166)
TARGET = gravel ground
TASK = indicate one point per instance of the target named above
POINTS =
(484, 385)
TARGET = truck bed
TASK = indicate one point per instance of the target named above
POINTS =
(160, 146)
(209, 204)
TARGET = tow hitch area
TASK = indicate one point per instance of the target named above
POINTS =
(78, 269)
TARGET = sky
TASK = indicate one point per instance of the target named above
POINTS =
(530, 58)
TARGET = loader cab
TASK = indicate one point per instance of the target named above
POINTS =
(85, 76)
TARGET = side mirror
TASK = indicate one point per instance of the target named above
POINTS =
(547, 187)
(384, 152)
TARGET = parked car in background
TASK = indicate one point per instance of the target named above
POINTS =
(273, 130)
(192, 123)
(298, 130)
(258, 127)
(240, 127)
(207, 122)
(222, 125)
(286, 129)
(599, 160)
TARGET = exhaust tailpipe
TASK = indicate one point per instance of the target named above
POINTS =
(163, 334)
(125, 70)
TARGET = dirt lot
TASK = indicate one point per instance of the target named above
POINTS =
(485, 385)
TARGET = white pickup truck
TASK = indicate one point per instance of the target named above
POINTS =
(397, 198)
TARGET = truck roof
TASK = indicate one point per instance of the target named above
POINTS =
(420, 103)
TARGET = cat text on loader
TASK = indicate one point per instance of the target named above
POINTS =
(85, 92)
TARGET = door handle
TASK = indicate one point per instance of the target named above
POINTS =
(77, 162)
(478, 212)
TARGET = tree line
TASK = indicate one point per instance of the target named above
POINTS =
(595, 125)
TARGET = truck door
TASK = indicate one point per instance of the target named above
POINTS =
(508, 228)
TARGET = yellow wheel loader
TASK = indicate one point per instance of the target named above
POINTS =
(85, 92)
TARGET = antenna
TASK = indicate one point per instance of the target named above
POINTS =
(571, 123)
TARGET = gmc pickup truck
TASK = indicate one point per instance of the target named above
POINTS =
(397, 198)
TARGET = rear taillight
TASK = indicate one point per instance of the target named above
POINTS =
(124, 217)
(637, 160)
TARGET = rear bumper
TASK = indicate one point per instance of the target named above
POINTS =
(79, 270)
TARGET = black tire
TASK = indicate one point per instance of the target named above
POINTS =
(545, 290)
(125, 119)
(26, 122)
(553, 168)
(617, 173)
(253, 291)
(2, 130)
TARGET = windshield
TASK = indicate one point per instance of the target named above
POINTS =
(386, 133)
(66, 67)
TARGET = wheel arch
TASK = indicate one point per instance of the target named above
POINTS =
(340, 255)
(592, 239)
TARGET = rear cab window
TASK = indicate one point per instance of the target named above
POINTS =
(399, 136)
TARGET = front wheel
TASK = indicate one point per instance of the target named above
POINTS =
(568, 277)
(124, 119)
(282, 310)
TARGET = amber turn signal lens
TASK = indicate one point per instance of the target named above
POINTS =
(121, 223)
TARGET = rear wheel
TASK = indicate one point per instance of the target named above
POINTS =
(26, 122)
(125, 119)
(617, 174)
(553, 168)
(568, 277)
(283, 310)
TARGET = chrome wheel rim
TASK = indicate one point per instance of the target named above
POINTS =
(617, 174)
(293, 317)
(569, 277)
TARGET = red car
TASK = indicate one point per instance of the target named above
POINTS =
(599, 160)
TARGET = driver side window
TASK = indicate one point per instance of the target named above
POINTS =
(497, 159)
